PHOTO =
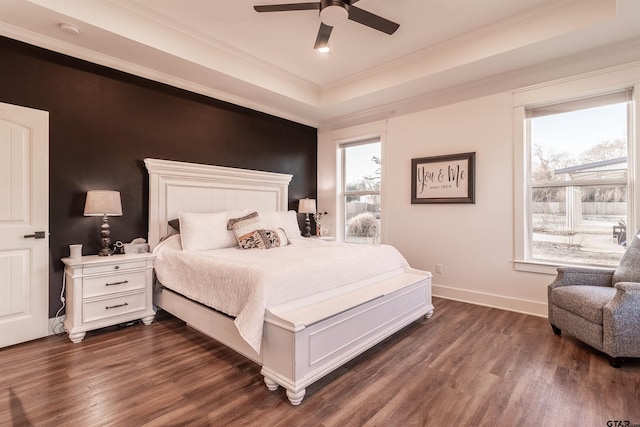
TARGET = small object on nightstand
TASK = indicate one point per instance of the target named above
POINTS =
(318, 218)
(118, 248)
(137, 246)
(107, 291)
(75, 251)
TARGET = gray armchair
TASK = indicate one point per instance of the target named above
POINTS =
(600, 307)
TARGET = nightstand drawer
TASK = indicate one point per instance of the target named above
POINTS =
(111, 307)
(113, 267)
(113, 283)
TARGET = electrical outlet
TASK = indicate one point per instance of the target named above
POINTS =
(439, 268)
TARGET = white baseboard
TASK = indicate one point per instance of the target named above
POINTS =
(517, 305)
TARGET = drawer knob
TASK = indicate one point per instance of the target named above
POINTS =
(115, 306)
(117, 283)
(117, 267)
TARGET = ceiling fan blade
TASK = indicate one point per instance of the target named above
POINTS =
(287, 7)
(373, 21)
(323, 36)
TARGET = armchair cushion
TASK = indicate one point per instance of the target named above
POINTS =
(584, 301)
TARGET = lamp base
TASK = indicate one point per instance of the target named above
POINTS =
(307, 228)
(105, 232)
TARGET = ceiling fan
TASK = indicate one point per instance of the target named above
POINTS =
(333, 13)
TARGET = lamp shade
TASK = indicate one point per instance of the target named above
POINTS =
(307, 206)
(103, 202)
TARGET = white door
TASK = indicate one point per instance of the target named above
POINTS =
(24, 212)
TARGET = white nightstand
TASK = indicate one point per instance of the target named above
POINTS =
(107, 290)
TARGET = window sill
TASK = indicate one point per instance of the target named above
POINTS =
(550, 269)
(536, 267)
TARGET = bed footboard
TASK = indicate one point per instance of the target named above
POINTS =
(306, 343)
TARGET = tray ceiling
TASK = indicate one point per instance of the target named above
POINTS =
(266, 61)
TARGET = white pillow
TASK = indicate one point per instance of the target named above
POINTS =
(205, 231)
(287, 220)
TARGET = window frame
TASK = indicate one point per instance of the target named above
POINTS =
(375, 130)
(579, 87)
(343, 200)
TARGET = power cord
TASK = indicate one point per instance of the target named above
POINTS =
(57, 326)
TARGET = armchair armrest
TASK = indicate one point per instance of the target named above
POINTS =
(621, 321)
(632, 288)
(583, 276)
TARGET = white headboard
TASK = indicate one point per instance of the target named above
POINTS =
(190, 187)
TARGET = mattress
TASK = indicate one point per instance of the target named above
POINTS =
(243, 283)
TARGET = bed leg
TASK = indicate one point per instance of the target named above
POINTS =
(296, 398)
(429, 314)
(271, 385)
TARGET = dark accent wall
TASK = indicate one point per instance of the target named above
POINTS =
(103, 123)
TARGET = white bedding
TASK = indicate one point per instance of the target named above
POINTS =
(243, 283)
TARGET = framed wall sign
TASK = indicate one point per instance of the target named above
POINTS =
(443, 179)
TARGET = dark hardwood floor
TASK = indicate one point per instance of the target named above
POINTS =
(466, 366)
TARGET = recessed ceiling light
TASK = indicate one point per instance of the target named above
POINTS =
(69, 29)
(324, 49)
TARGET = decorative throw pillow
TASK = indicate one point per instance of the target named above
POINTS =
(244, 228)
(267, 239)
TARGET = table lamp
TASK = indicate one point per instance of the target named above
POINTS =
(307, 206)
(103, 203)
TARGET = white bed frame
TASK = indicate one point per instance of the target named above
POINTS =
(304, 340)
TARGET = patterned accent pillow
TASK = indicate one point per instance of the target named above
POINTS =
(244, 228)
(267, 239)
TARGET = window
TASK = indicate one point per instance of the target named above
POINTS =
(577, 180)
(361, 192)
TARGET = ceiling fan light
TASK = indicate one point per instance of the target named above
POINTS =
(333, 15)
(324, 49)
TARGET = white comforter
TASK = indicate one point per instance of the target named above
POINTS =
(242, 283)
